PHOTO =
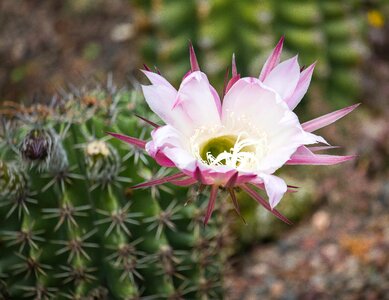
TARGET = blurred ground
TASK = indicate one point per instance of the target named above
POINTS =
(45, 45)
(340, 252)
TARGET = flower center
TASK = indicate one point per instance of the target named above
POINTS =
(230, 150)
(237, 143)
(216, 146)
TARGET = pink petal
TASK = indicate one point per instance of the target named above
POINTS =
(198, 175)
(157, 79)
(235, 76)
(234, 70)
(147, 121)
(322, 148)
(184, 182)
(232, 81)
(159, 181)
(327, 119)
(244, 178)
(273, 60)
(234, 200)
(263, 202)
(167, 136)
(198, 101)
(275, 188)
(216, 98)
(182, 160)
(284, 77)
(130, 140)
(318, 159)
(301, 88)
(160, 96)
(303, 150)
(160, 100)
(211, 203)
(236, 204)
(232, 180)
(194, 65)
(158, 155)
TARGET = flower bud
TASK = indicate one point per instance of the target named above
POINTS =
(36, 145)
(102, 161)
(43, 148)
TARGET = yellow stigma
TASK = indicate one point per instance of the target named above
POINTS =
(229, 150)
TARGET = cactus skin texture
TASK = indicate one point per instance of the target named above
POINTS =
(70, 226)
(329, 32)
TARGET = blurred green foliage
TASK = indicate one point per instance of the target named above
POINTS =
(330, 32)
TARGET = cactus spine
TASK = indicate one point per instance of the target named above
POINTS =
(71, 228)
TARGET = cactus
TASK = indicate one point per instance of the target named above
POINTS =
(70, 226)
(329, 32)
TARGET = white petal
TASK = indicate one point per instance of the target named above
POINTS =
(301, 87)
(157, 79)
(250, 100)
(168, 136)
(275, 188)
(160, 99)
(198, 101)
(284, 77)
(182, 159)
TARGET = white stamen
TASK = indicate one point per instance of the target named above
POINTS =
(247, 152)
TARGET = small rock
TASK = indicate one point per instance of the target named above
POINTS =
(122, 32)
(277, 289)
(321, 220)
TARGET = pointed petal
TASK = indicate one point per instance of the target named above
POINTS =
(284, 77)
(157, 79)
(318, 159)
(159, 181)
(211, 203)
(146, 67)
(234, 200)
(128, 139)
(234, 70)
(301, 88)
(147, 121)
(275, 188)
(226, 75)
(322, 148)
(194, 65)
(235, 75)
(303, 150)
(232, 81)
(184, 182)
(236, 204)
(199, 175)
(273, 60)
(263, 202)
(243, 178)
(198, 100)
(232, 181)
(328, 119)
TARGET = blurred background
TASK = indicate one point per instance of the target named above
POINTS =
(339, 246)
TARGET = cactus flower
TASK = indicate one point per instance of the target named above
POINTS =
(239, 140)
